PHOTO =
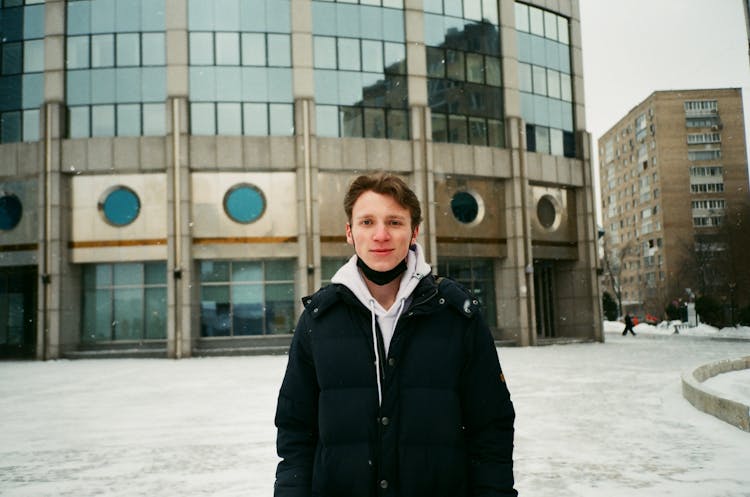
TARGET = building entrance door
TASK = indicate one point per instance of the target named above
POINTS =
(18, 287)
(544, 298)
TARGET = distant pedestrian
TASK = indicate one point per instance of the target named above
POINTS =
(628, 325)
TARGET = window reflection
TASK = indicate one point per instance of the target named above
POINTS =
(241, 298)
(545, 80)
(463, 69)
(359, 57)
(21, 71)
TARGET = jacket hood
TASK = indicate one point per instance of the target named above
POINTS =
(351, 277)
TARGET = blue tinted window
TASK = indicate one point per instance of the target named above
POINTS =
(120, 206)
(11, 211)
(244, 203)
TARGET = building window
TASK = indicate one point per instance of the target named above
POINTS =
(115, 68)
(11, 211)
(244, 203)
(124, 301)
(359, 59)
(240, 68)
(701, 107)
(464, 72)
(240, 298)
(119, 206)
(467, 207)
(707, 188)
(704, 155)
(477, 275)
(21, 70)
(545, 80)
(700, 138)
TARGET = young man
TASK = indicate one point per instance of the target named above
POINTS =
(393, 385)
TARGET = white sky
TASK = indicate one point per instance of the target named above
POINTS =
(635, 47)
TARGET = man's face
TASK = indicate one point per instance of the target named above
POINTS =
(380, 231)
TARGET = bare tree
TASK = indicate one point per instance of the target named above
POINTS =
(614, 263)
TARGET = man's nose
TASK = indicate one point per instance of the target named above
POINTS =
(381, 231)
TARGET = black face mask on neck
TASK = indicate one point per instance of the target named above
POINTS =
(381, 277)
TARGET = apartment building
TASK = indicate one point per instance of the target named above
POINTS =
(670, 171)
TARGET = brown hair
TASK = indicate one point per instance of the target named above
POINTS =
(384, 184)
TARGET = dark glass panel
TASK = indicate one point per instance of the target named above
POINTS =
(477, 131)
(12, 57)
(350, 121)
(439, 127)
(214, 271)
(279, 308)
(398, 124)
(454, 64)
(569, 144)
(374, 123)
(10, 127)
(435, 62)
(457, 132)
(215, 311)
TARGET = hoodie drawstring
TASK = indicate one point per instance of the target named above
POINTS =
(377, 354)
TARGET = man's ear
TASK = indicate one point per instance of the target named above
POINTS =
(414, 235)
(349, 237)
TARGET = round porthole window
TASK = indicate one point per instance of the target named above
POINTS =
(467, 207)
(10, 211)
(120, 206)
(244, 203)
(547, 212)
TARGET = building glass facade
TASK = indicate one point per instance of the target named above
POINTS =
(240, 67)
(206, 239)
(463, 70)
(247, 298)
(359, 55)
(124, 302)
(21, 69)
(115, 68)
(544, 74)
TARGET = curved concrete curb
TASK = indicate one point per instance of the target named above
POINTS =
(710, 401)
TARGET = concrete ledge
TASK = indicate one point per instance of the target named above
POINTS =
(710, 401)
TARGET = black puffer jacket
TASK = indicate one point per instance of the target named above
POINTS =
(445, 426)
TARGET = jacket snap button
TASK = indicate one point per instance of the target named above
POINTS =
(441, 301)
(383, 483)
(315, 310)
(384, 420)
(391, 362)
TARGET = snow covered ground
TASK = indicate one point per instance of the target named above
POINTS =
(593, 420)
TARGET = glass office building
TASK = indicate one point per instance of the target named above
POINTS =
(172, 172)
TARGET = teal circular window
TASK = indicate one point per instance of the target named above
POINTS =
(120, 206)
(465, 207)
(10, 211)
(244, 203)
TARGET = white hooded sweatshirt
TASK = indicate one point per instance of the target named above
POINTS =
(350, 276)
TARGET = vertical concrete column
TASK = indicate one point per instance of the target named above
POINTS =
(58, 323)
(591, 319)
(182, 284)
(306, 159)
(420, 125)
(514, 274)
(516, 278)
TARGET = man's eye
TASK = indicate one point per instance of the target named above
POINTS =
(366, 221)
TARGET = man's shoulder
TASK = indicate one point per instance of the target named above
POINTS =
(325, 298)
(458, 296)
